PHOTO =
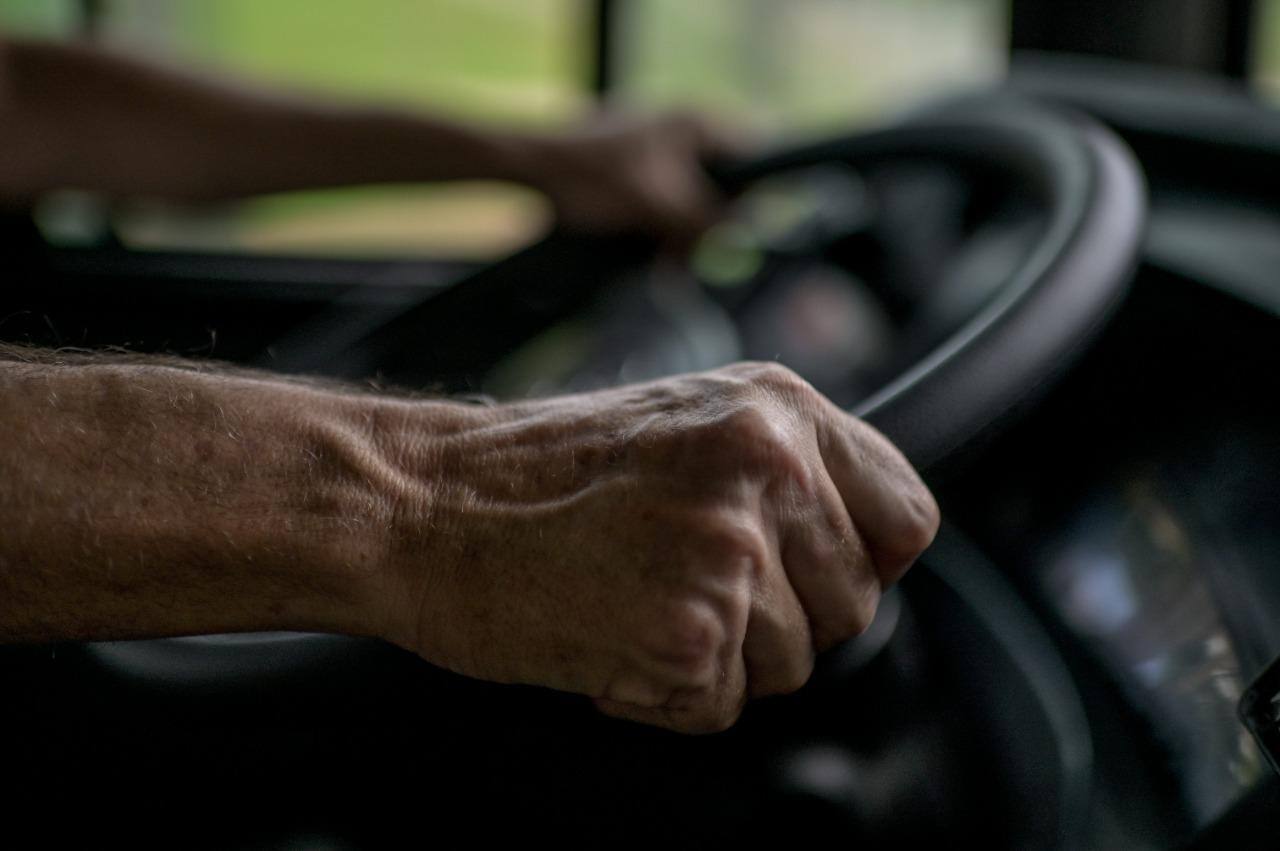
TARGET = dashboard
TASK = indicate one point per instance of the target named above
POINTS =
(1139, 509)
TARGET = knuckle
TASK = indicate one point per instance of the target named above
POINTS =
(692, 637)
(735, 542)
(850, 620)
(771, 375)
(914, 526)
(755, 439)
(745, 424)
(827, 557)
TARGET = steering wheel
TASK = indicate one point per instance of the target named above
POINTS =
(1081, 183)
(1089, 203)
(1091, 207)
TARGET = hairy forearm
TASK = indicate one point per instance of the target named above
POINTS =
(144, 500)
(669, 549)
(76, 117)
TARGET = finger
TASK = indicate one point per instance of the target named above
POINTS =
(707, 710)
(886, 500)
(778, 647)
(831, 570)
(638, 689)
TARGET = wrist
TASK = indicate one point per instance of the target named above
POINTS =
(398, 560)
(527, 158)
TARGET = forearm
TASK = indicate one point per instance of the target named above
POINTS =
(140, 500)
(75, 117)
(669, 549)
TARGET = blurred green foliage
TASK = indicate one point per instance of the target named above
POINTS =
(520, 61)
(788, 67)
(1266, 49)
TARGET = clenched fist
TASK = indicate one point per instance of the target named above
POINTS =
(670, 549)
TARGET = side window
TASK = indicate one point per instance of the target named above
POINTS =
(808, 66)
(1265, 51)
(44, 18)
(520, 63)
(790, 68)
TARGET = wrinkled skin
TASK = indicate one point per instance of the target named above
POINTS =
(670, 549)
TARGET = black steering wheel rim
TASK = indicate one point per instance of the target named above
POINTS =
(1057, 298)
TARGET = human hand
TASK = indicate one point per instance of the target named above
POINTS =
(669, 549)
(621, 173)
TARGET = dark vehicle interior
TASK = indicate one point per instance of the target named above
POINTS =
(1056, 292)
